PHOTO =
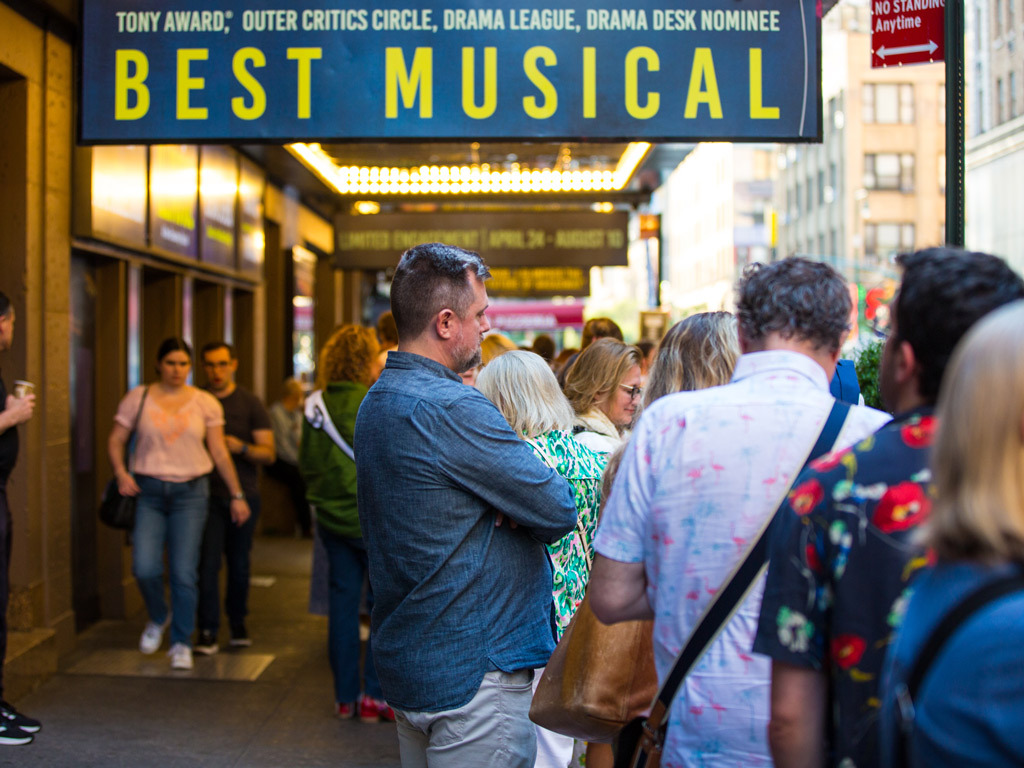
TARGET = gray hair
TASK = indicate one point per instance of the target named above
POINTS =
(429, 278)
(796, 298)
(526, 392)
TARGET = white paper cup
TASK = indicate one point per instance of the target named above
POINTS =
(23, 388)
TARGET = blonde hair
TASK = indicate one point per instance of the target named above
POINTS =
(526, 392)
(494, 345)
(348, 355)
(696, 353)
(978, 456)
(599, 368)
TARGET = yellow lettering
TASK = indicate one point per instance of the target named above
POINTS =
(304, 56)
(125, 83)
(469, 83)
(186, 83)
(650, 56)
(250, 83)
(590, 82)
(757, 109)
(544, 85)
(399, 79)
(703, 71)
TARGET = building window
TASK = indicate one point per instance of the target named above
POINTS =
(1011, 86)
(1000, 101)
(821, 187)
(942, 174)
(889, 171)
(888, 103)
(1009, 16)
(997, 18)
(882, 242)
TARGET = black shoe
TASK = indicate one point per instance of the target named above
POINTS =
(10, 716)
(239, 637)
(13, 736)
(207, 643)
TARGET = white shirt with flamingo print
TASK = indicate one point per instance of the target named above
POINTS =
(700, 476)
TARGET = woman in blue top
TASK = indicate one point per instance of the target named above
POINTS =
(970, 705)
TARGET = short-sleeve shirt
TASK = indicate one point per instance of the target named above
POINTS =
(700, 477)
(572, 554)
(243, 414)
(171, 446)
(841, 561)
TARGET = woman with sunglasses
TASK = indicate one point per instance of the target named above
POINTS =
(604, 390)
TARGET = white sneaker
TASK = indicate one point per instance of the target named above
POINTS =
(153, 636)
(181, 656)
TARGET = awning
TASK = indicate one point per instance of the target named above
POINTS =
(535, 316)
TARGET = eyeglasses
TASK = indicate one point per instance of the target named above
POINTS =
(634, 392)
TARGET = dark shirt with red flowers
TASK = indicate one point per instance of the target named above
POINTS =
(841, 561)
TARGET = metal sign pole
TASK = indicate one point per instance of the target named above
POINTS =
(955, 146)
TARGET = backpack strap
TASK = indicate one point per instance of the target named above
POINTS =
(320, 418)
(956, 617)
(844, 385)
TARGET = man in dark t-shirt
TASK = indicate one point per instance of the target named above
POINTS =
(250, 438)
(15, 728)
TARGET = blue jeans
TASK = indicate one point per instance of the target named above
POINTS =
(346, 568)
(173, 514)
(222, 539)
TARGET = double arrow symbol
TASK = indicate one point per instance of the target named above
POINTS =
(929, 47)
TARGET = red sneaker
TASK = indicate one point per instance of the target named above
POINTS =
(345, 711)
(375, 710)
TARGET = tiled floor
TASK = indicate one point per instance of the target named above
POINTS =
(267, 706)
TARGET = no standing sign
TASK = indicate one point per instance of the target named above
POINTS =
(907, 32)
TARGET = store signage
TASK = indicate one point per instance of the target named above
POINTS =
(218, 197)
(907, 32)
(539, 281)
(535, 316)
(504, 239)
(251, 237)
(475, 70)
(118, 195)
(174, 198)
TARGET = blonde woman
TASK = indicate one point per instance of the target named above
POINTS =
(523, 387)
(696, 353)
(603, 387)
(970, 704)
(347, 367)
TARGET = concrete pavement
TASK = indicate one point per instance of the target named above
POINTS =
(110, 706)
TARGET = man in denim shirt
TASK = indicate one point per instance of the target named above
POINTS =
(454, 508)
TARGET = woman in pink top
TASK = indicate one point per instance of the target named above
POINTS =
(178, 440)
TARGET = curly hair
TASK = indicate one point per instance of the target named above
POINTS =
(698, 352)
(796, 298)
(599, 368)
(944, 292)
(348, 356)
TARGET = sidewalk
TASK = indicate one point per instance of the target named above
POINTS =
(261, 707)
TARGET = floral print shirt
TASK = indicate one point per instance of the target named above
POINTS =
(842, 558)
(572, 554)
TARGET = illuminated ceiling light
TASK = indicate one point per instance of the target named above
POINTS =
(426, 179)
(367, 207)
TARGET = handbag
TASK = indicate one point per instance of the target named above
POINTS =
(116, 510)
(641, 742)
(599, 677)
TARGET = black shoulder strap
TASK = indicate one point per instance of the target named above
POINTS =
(952, 621)
(944, 630)
(725, 602)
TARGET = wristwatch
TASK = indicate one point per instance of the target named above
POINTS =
(240, 496)
(245, 448)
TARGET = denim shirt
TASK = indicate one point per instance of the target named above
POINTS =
(454, 595)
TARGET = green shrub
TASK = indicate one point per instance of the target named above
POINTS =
(867, 365)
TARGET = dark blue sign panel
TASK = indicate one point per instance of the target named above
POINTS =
(177, 71)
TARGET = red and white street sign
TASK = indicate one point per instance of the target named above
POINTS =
(907, 32)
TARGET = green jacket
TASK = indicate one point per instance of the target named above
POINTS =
(330, 475)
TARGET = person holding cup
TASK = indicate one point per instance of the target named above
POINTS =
(15, 728)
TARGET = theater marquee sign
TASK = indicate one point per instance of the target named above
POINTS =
(231, 71)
